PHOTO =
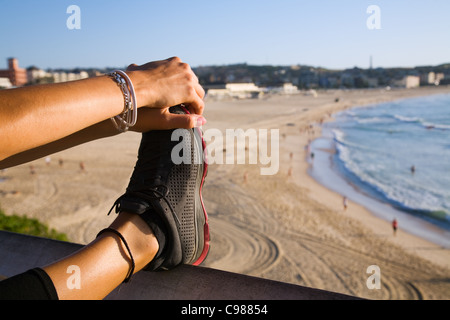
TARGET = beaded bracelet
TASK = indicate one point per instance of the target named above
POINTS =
(128, 117)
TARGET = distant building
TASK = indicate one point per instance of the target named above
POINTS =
(36, 75)
(69, 76)
(5, 83)
(218, 94)
(287, 88)
(372, 82)
(347, 80)
(17, 76)
(235, 90)
(439, 77)
(427, 78)
(407, 82)
(243, 90)
(431, 78)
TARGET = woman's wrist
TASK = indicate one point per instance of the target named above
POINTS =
(141, 88)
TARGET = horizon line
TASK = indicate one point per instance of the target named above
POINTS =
(253, 64)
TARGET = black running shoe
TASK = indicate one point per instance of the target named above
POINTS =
(165, 190)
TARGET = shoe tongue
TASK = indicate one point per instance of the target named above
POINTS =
(154, 161)
(134, 205)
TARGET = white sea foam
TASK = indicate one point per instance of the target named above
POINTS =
(407, 119)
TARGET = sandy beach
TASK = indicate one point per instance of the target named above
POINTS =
(285, 227)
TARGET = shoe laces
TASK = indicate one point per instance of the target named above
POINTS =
(156, 195)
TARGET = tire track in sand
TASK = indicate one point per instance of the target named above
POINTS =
(238, 232)
(332, 261)
(247, 251)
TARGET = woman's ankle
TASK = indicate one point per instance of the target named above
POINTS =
(139, 236)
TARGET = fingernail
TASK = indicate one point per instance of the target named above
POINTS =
(200, 121)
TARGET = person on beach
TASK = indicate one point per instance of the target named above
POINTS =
(154, 230)
(394, 226)
(82, 167)
(345, 202)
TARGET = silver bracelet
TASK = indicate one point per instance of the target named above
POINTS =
(128, 117)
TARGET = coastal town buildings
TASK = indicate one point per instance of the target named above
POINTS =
(69, 76)
(17, 76)
(407, 82)
(308, 77)
(36, 75)
(242, 81)
(431, 78)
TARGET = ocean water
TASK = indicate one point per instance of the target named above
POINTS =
(377, 147)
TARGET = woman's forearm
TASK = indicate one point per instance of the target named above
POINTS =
(37, 115)
(100, 130)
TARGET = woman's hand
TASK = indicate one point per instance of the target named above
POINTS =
(162, 119)
(160, 85)
(166, 83)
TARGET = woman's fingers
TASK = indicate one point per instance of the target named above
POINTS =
(162, 119)
(175, 121)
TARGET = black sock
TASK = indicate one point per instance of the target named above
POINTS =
(34, 284)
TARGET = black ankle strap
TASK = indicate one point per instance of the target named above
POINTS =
(130, 273)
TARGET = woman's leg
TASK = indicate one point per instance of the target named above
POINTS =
(93, 271)
(104, 263)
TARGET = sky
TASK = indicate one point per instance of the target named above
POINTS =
(328, 33)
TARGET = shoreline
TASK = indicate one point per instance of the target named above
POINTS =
(325, 172)
(431, 239)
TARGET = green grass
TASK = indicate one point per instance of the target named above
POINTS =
(30, 226)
